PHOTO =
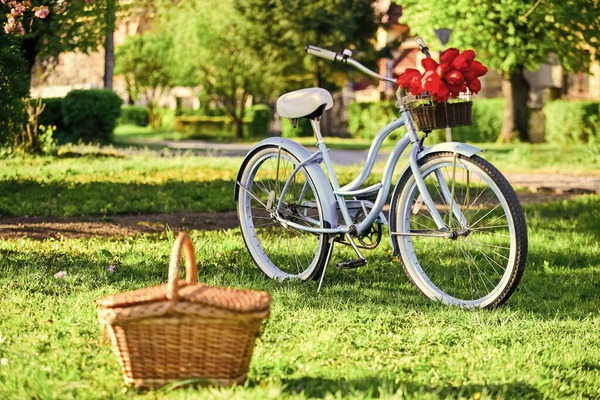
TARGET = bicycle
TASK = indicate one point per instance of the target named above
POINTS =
(454, 218)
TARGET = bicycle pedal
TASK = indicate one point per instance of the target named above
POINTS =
(352, 264)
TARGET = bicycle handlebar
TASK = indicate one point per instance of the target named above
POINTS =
(422, 46)
(326, 54)
(344, 57)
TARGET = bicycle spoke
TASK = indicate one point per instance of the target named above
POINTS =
(468, 267)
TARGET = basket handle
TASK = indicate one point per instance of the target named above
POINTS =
(183, 240)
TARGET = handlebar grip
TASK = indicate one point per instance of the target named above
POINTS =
(422, 46)
(326, 54)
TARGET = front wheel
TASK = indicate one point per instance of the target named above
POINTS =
(481, 261)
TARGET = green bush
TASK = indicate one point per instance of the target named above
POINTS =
(166, 117)
(91, 115)
(134, 115)
(487, 122)
(260, 116)
(52, 114)
(366, 119)
(572, 121)
(303, 129)
(14, 86)
(215, 112)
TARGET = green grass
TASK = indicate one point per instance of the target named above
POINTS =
(96, 186)
(48, 186)
(513, 157)
(147, 182)
(366, 334)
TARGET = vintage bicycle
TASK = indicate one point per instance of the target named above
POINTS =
(454, 219)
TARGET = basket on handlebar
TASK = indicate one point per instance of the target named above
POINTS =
(429, 115)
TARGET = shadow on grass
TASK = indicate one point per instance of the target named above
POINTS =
(568, 293)
(565, 288)
(375, 387)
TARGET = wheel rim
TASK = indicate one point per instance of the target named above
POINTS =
(471, 270)
(281, 252)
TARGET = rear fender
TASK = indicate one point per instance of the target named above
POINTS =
(313, 169)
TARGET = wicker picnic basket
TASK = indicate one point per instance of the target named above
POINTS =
(184, 329)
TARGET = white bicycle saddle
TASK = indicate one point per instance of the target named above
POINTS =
(303, 102)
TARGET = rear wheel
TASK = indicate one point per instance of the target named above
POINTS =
(280, 251)
(481, 262)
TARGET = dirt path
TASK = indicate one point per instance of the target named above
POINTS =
(40, 228)
(554, 183)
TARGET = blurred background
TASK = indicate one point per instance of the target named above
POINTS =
(211, 70)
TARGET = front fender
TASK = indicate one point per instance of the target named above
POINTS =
(453, 147)
(313, 169)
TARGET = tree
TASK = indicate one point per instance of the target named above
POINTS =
(284, 28)
(210, 49)
(76, 25)
(14, 86)
(512, 36)
(144, 61)
(109, 43)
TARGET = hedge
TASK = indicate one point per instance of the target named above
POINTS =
(91, 115)
(365, 119)
(303, 129)
(572, 121)
(134, 115)
(255, 123)
(260, 116)
(487, 122)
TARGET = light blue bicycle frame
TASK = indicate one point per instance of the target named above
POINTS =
(353, 188)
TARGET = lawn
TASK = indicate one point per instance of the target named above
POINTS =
(366, 334)
(572, 158)
(146, 182)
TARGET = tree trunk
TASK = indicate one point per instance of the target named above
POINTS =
(515, 89)
(152, 117)
(109, 44)
(239, 128)
(317, 78)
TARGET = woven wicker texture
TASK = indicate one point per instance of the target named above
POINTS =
(184, 329)
(443, 115)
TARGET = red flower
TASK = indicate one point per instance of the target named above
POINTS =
(460, 62)
(443, 69)
(455, 90)
(431, 81)
(442, 93)
(415, 85)
(406, 77)
(468, 75)
(447, 56)
(454, 78)
(453, 75)
(469, 55)
(478, 69)
(474, 85)
(429, 64)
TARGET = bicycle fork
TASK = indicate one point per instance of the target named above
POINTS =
(446, 192)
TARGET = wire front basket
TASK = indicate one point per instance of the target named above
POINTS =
(429, 115)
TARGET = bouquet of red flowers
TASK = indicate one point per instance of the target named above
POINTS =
(454, 74)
